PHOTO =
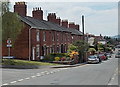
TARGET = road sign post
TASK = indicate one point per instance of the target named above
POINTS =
(9, 45)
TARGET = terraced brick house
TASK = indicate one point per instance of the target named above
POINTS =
(41, 37)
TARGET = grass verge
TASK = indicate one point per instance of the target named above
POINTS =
(24, 62)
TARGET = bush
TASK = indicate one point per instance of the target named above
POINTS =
(63, 58)
(57, 58)
(51, 57)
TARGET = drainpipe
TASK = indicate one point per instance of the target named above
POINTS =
(30, 42)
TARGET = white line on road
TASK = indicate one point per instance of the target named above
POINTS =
(20, 80)
(33, 76)
(5, 84)
(113, 78)
(38, 75)
(13, 82)
(27, 78)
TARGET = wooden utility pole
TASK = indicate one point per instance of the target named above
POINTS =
(83, 39)
(83, 27)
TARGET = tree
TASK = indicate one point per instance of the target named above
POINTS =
(4, 6)
(82, 48)
(11, 26)
(92, 50)
(71, 48)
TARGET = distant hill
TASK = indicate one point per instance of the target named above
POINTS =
(116, 36)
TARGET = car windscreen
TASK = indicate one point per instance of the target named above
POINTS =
(92, 57)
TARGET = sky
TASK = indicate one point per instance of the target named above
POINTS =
(100, 17)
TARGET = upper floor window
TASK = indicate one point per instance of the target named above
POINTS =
(38, 35)
(44, 36)
(57, 37)
(53, 36)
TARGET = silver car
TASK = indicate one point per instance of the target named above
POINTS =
(117, 55)
(93, 59)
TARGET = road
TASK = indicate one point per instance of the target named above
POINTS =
(105, 73)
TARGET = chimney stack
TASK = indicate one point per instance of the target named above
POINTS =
(65, 23)
(72, 25)
(58, 21)
(20, 8)
(37, 13)
(77, 27)
(51, 17)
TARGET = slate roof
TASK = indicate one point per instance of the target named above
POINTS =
(46, 25)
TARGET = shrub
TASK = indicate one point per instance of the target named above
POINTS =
(57, 58)
(51, 57)
(63, 58)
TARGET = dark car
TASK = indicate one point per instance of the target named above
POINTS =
(93, 59)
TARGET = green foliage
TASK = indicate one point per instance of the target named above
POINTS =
(51, 57)
(11, 26)
(71, 48)
(23, 62)
(91, 50)
(4, 6)
(81, 45)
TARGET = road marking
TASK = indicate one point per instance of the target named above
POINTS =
(33, 76)
(47, 73)
(51, 72)
(5, 84)
(109, 84)
(13, 82)
(20, 80)
(113, 78)
(38, 75)
(27, 78)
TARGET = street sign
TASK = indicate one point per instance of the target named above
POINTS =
(8, 41)
(9, 45)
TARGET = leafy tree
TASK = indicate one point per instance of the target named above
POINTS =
(11, 26)
(82, 48)
(92, 50)
(71, 48)
(4, 6)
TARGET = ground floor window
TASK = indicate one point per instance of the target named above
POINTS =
(44, 50)
(37, 50)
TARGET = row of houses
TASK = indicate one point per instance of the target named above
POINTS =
(41, 37)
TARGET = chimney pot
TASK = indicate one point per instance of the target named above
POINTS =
(37, 14)
(20, 8)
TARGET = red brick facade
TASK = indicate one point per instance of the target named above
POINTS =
(42, 41)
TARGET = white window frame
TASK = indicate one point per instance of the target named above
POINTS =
(38, 35)
(44, 36)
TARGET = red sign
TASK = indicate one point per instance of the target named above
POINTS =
(8, 41)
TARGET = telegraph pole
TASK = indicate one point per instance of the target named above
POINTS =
(83, 38)
(83, 27)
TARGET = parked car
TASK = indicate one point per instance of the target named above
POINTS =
(102, 56)
(93, 59)
(108, 55)
(117, 55)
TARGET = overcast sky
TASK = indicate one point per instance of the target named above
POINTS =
(100, 17)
